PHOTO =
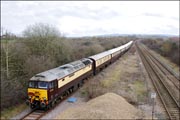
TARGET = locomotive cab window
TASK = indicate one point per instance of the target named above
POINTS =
(33, 84)
(43, 84)
(38, 84)
(52, 85)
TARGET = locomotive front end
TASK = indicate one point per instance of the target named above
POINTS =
(37, 94)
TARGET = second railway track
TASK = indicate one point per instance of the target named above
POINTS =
(163, 84)
(164, 69)
(168, 78)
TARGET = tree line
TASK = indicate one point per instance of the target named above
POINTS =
(168, 47)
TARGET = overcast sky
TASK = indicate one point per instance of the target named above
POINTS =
(87, 18)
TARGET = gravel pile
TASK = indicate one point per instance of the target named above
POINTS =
(107, 106)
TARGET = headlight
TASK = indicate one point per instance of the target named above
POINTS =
(29, 97)
(44, 98)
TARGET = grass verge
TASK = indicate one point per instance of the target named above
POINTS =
(12, 111)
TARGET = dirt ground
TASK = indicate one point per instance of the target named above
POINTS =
(126, 77)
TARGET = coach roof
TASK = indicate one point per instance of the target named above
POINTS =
(100, 55)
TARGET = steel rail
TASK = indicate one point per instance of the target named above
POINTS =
(164, 69)
(167, 68)
(166, 98)
(173, 90)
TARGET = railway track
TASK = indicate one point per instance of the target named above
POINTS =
(34, 114)
(163, 85)
(170, 75)
(169, 79)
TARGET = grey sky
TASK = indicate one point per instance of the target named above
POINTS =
(76, 18)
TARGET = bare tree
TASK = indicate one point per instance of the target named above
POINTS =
(41, 30)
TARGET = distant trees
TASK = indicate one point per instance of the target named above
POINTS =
(41, 30)
(6, 34)
(168, 48)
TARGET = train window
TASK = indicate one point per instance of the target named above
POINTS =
(55, 84)
(42, 84)
(50, 85)
(33, 84)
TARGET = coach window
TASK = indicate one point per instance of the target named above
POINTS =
(42, 84)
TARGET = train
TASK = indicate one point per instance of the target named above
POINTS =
(45, 89)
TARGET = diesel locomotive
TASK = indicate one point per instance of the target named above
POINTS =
(48, 87)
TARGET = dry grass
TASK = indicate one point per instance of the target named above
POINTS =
(123, 77)
(12, 111)
(140, 91)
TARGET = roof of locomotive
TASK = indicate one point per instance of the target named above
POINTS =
(61, 71)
